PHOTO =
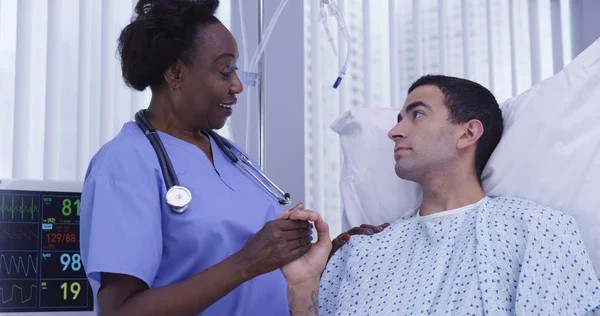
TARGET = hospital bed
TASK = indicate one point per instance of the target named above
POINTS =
(549, 154)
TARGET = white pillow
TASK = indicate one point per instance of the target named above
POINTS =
(549, 154)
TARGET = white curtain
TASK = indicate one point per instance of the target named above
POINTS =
(61, 91)
(506, 45)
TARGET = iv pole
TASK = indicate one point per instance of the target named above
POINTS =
(261, 91)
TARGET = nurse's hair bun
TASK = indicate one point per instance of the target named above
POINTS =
(160, 33)
(158, 8)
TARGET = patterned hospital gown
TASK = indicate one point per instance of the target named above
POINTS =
(500, 256)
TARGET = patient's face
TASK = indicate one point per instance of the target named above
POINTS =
(424, 135)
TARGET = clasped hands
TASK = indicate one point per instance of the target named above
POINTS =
(310, 266)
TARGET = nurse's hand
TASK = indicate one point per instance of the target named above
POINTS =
(278, 243)
(309, 267)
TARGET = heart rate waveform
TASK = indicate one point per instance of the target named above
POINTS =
(19, 208)
(17, 295)
(18, 266)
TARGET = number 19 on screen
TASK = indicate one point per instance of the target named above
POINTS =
(74, 288)
(57, 293)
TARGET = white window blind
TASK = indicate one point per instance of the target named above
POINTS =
(506, 45)
(61, 91)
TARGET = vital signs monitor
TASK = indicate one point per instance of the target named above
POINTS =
(40, 263)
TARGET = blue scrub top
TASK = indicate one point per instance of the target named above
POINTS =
(128, 228)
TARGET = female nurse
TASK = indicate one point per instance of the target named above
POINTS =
(223, 255)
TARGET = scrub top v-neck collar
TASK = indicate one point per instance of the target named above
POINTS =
(221, 164)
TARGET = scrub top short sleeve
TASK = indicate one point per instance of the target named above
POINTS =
(121, 199)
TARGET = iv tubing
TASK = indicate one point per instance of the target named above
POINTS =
(252, 67)
(338, 14)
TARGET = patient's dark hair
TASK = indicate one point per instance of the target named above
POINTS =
(468, 100)
(160, 33)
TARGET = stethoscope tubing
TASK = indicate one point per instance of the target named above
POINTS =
(170, 177)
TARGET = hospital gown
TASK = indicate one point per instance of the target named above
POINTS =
(500, 256)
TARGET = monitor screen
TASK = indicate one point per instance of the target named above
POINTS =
(40, 263)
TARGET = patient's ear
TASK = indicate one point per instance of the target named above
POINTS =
(471, 132)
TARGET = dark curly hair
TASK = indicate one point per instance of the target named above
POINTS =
(468, 100)
(160, 33)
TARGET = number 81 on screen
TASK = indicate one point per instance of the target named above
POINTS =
(67, 206)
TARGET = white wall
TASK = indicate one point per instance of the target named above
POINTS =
(247, 101)
(284, 100)
(586, 23)
(283, 96)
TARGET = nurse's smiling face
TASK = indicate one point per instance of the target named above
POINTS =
(203, 92)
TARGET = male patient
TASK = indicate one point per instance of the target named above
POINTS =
(461, 252)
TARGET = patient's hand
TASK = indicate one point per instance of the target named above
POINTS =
(308, 268)
(364, 229)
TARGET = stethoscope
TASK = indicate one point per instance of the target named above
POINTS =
(179, 197)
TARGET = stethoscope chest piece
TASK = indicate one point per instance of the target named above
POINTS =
(178, 198)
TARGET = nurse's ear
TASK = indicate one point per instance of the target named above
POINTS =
(174, 75)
